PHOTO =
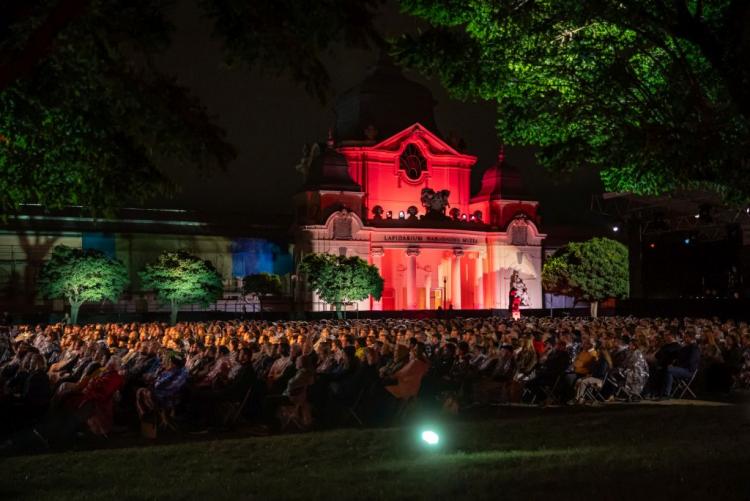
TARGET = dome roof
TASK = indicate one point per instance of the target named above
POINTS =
(384, 103)
(330, 171)
(501, 181)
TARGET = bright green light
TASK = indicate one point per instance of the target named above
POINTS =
(430, 437)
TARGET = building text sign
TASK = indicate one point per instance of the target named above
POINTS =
(431, 239)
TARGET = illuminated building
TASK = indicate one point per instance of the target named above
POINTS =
(377, 162)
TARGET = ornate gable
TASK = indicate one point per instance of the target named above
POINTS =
(428, 143)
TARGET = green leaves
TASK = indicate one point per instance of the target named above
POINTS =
(182, 278)
(93, 120)
(594, 270)
(82, 275)
(339, 279)
(651, 97)
(288, 36)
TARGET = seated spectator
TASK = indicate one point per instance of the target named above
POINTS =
(408, 379)
(162, 396)
(583, 365)
(550, 372)
(92, 401)
(685, 364)
(497, 387)
(595, 379)
(663, 358)
(526, 359)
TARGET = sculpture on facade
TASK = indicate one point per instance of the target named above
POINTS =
(435, 203)
(309, 153)
(516, 282)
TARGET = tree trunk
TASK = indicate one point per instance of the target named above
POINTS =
(174, 309)
(594, 308)
(339, 313)
(75, 306)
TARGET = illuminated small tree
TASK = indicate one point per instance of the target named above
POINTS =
(260, 285)
(594, 270)
(79, 275)
(339, 279)
(180, 278)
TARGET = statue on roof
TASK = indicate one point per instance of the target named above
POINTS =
(435, 202)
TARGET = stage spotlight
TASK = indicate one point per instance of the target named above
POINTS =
(401, 214)
(615, 228)
(687, 241)
(389, 214)
(430, 437)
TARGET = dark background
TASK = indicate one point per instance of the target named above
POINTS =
(268, 118)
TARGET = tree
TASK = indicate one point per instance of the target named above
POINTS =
(260, 285)
(81, 275)
(180, 278)
(86, 116)
(339, 279)
(593, 271)
(655, 95)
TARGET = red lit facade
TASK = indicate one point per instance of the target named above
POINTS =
(363, 198)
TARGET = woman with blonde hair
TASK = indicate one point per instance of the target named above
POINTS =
(526, 358)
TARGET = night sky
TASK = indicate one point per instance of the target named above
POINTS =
(268, 118)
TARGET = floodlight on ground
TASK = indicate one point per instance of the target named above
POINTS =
(615, 228)
(430, 437)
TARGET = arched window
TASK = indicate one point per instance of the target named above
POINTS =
(412, 162)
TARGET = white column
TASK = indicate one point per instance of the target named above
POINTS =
(456, 278)
(479, 278)
(495, 277)
(427, 287)
(411, 278)
(376, 254)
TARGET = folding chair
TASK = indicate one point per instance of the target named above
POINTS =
(297, 412)
(621, 390)
(351, 407)
(593, 394)
(682, 386)
(548, 390)
(235, 416)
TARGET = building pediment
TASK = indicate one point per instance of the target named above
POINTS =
(428, 142)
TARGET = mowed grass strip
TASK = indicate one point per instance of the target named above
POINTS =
(626, 452)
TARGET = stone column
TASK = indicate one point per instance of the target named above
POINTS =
(376, 254)
(496, 277)
(456, 278)
(427, 287)
(479, 277)
(411, 277)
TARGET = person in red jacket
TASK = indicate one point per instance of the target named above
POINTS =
(94, 402)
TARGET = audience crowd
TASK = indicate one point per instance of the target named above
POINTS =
(57, 381)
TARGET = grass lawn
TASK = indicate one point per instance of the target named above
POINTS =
(623, 452)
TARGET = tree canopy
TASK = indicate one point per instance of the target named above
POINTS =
(86, 116)
(653, 94)
(79, 275)
(180, 278)
(339, 279)
(593, 271)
